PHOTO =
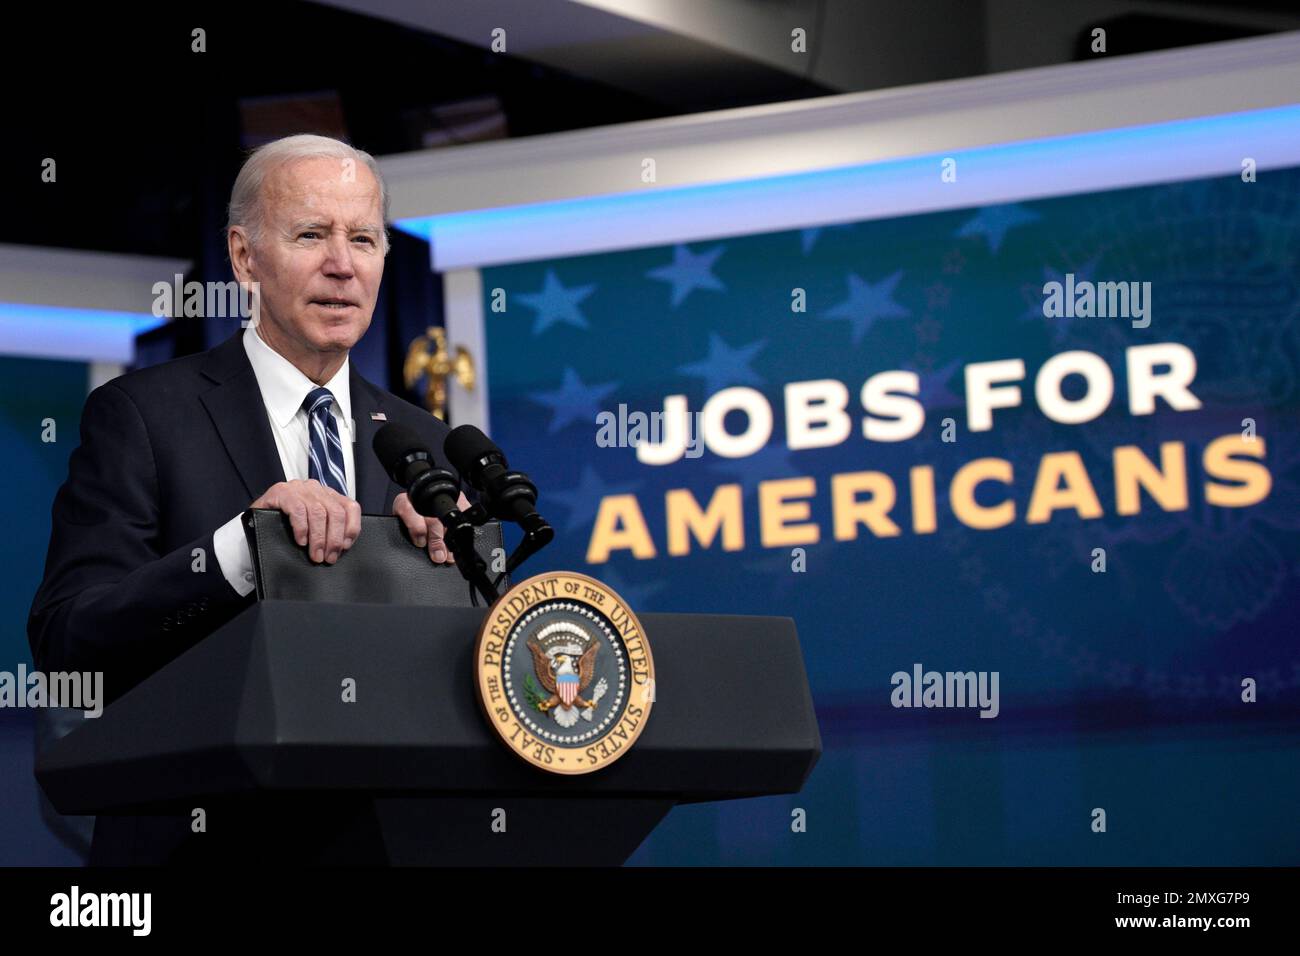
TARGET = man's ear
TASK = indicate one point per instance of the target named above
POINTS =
(240, 251)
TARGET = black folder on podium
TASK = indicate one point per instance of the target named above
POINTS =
(250, 733)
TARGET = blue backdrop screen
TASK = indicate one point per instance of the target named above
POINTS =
(1107, 517)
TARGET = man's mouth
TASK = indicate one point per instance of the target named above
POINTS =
(336, 304)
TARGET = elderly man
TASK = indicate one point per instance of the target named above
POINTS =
(147, 554)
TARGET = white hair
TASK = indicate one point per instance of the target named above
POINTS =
(246, 197)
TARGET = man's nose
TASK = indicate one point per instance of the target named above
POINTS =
(338, 260)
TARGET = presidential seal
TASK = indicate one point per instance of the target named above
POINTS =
(564, 672)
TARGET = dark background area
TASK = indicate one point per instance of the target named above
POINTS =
(148, 149)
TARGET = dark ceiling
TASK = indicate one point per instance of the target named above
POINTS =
(147, 135)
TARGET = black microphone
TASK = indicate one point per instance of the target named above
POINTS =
(507, 495)
(433, 491)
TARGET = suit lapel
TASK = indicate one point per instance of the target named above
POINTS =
(375, 490)
(233, 405)
(239, 414)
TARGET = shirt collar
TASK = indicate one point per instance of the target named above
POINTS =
(284, 387)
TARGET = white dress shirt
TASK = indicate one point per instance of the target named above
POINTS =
(283, 389)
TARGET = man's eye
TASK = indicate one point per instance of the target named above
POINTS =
(303, 235)
(367, 239)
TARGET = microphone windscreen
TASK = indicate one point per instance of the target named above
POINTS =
(393, 442)
(466, 445)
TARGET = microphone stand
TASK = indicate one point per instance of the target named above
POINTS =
(537, 535)
(458, 533)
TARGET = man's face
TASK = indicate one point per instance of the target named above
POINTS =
(319, 259)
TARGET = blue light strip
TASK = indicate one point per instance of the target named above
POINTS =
(87, 335)
(1005, 172)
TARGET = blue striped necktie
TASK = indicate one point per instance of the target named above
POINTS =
(324, 449)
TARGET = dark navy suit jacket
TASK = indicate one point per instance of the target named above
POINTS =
(168, 455)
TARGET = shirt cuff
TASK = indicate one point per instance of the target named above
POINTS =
(236, 561)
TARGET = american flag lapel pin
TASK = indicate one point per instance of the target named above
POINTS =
(378, 417)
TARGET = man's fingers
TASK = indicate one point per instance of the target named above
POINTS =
(353, 528)
(337, 518)
(425, 532)
(324, 522)
(297, 511)
(437, 550)
(317, 527)
(415, 525)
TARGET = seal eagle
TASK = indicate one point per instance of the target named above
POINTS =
(564, 675)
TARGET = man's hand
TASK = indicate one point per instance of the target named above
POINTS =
(426, 532)
(324, 521)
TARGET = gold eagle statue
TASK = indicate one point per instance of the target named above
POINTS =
(427, 358)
